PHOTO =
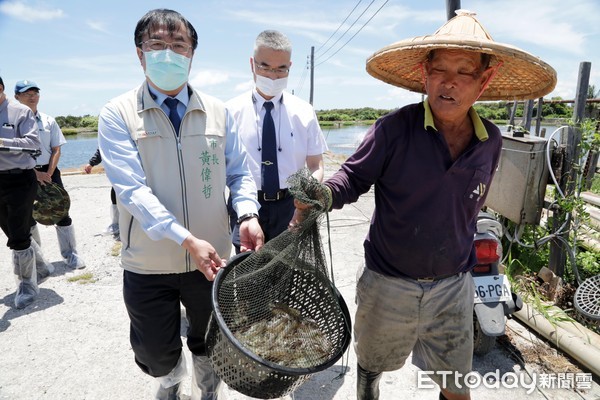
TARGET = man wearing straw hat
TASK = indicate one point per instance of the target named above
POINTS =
(431, 164)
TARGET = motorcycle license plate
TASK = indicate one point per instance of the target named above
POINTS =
(493, 288)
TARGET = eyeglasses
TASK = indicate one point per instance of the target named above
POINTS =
(265, 68)
(157, 45)
(30, 94)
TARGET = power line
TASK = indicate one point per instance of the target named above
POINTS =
(357, 32)
(338, 28)
(350, 27)
(303, 76)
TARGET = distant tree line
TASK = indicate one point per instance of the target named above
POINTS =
(352, 114)
(490, 110)
(497, 111)
(70, 121)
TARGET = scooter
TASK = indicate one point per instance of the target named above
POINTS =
(494, 300)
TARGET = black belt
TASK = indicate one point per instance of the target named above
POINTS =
(41, 167)
(437, 278)
(13, 171)
(278, 195)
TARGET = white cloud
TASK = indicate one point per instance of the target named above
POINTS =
(548, 26)
(207, 78)
(244, 86)
(24, 12)
(97, 26)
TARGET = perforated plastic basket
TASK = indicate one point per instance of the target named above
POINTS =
(298, 288)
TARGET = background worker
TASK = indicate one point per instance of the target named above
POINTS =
(279, 130)
(18, 187)
(171, 153)
(46, 170)
(431, 164)
(113, 228)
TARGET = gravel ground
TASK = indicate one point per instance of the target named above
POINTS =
(73, 342)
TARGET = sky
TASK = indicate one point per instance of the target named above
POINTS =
(81, 53)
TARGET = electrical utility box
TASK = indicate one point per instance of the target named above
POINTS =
(519, 185)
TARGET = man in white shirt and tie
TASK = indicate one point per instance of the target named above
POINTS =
(296, 141)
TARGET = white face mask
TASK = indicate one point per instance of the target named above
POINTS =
(167, 69)
(270, 87)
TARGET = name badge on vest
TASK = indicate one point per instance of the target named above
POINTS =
(141, 134)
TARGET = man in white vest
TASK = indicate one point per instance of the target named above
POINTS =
(170, 152)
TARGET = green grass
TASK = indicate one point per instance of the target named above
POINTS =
(596, 184)
(82, 279)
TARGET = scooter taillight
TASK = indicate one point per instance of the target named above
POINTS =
(482, 269)
(487, 251)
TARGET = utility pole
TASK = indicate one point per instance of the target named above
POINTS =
(312, 73)
(451, 7)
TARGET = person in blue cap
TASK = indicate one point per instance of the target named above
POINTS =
(46, 169)
(17, 193)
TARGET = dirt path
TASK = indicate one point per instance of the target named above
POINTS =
(73, 343)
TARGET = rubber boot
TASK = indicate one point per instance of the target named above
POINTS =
(24, 268)
(35, 234)
(44, 268)
(367, 384)
(67, 244)
(206, 384)
(113, 228)
(169, 386)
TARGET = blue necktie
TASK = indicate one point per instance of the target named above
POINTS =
(173, 114)
(269, 170)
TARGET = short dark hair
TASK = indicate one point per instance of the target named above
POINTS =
(163, 17)
(2, 82)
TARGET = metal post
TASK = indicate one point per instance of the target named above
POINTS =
(513, 114)
(312, 73)
(528, 115)
(538, 119)
(451, 7)
(558, 255)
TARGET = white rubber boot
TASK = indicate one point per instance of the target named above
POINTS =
(169, 386)
(206, 384)
(113, 228)
(35, 234)
(24, 269)
(67, 244)
(43, 267)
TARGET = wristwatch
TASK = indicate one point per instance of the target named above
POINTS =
(246, 216)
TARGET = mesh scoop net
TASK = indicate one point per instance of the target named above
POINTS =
(277, 316)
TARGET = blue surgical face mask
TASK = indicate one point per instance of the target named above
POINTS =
(167, 69)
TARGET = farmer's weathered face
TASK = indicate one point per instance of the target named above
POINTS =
(454, 80)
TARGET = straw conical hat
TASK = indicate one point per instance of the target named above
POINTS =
(520, 76)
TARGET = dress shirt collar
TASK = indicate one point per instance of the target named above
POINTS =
(258, 100)
(183, 96)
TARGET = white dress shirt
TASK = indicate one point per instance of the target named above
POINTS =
(297, 131)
